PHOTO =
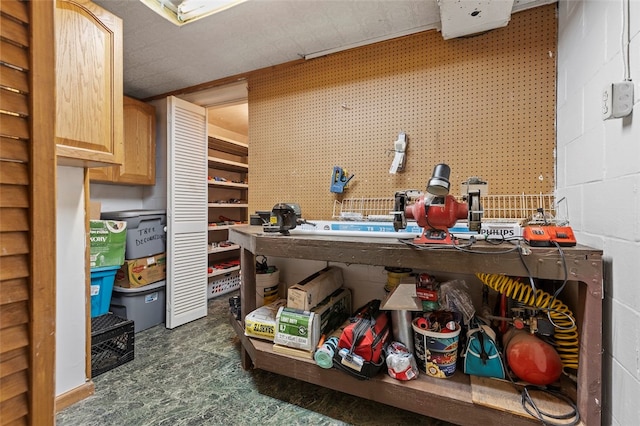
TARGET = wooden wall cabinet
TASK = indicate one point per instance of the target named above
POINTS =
(139, 161)
(89, 85)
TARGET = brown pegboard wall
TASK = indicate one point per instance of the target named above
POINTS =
(484, 105)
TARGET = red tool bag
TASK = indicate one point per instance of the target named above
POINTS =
(360, 350)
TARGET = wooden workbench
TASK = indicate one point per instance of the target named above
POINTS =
(447, 399)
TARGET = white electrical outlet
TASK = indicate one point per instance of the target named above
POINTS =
(617, 100)
(622, 99)
(607, 107)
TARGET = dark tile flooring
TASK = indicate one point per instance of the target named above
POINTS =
(192, 376)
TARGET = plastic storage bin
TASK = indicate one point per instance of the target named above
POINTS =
(146, 231)
(101, 289)
(223, 284)
(144, 305)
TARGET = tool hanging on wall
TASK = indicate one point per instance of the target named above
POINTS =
(437, 211)
(339, 179)
(474, 183)
(399, 156)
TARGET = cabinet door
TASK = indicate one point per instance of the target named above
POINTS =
(139, 163)
(139, 160)
(88, 84)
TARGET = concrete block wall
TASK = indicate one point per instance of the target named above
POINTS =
(598, 171)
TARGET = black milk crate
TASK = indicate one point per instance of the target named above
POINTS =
(112, 342)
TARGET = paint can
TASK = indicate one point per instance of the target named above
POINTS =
(267, 282)
(267, 286)
(436, 352)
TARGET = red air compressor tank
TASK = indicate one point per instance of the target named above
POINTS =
(532, 359)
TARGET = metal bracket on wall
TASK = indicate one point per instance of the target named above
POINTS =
(399, 157)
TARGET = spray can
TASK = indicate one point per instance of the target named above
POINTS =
(324, 354)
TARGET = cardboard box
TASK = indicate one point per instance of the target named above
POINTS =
(503, 229)
(296, 328)
(94, 210)
(140, 272)
(334, 310)
(309, 292)
(107, 242)
(261, 323)
(300, 329)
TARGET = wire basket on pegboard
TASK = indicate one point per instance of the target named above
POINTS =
(223, 284)
(372, 209)
(514, 208)
(517, 207)
(112, 342)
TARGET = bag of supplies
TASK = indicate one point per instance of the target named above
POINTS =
(361, 346)
(481, 357)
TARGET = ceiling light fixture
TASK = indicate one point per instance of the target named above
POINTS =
(182, 12)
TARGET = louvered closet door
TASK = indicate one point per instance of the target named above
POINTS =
(186, 212)
(27, 213)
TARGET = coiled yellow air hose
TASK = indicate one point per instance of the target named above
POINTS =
(566, 332)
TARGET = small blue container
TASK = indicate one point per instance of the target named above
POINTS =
(101, 288)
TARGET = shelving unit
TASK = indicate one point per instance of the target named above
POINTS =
(448, 399)
(227, 207)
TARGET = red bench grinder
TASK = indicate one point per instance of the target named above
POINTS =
(437, 211)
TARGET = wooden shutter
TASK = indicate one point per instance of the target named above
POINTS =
(27, 213)
(186, 212)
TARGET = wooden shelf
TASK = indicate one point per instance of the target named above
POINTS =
(232, 166)
(227, 205)
(228, 184)
(441, 398)
(223, 249)
(447, 399)
(219, 143)
(222, 227)
(218, 272)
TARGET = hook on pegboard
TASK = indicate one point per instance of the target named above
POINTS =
(399, 156)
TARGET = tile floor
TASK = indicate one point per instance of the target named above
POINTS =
(192, 376)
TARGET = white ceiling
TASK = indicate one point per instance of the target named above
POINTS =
(160, 57)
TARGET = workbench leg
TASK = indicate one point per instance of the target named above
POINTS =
(590, 368)
(247, 295)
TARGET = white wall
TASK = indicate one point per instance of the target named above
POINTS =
(127, 197)
(116, 197)
(365, 282)
(70, 295)
(598, 170)
(70, 280)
